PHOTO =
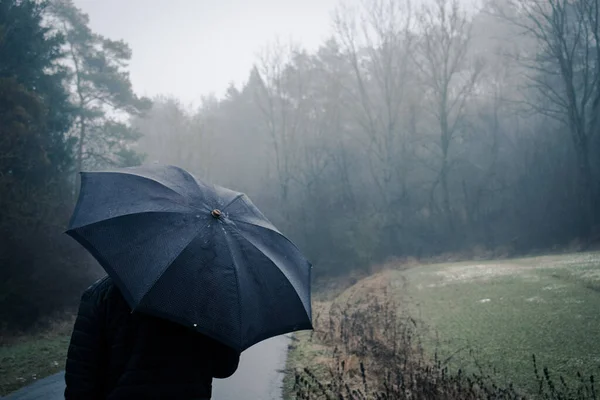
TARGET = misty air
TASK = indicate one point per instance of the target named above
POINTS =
(289, 200)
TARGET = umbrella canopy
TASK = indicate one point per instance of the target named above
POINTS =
(194, 253)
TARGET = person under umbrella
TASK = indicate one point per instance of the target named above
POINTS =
(195, 275)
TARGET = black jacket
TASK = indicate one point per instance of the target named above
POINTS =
(115, 354)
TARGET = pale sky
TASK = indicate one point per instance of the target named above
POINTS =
(190, 48)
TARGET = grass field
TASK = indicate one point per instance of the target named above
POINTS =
(507, 311)
(489, 317)
(28, 358)
(504, 310)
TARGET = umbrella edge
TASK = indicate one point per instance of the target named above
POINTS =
(305, 326)
(83, 178)
(308, 310)
(104, 264)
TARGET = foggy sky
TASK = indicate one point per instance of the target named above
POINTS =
(190, 48)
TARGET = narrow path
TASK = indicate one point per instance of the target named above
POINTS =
(50, 388)
(257, 378)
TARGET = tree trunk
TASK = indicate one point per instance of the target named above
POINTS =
(79, 165)
(445, 142)
(446, 193)
(587, 201)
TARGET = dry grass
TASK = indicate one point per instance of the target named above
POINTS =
(365, 347)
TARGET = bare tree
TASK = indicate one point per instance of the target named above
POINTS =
(377, 42)
(278, 110)
(172, 135)
(203, 137)
(449, 76)
(564, 76)
(488, 136)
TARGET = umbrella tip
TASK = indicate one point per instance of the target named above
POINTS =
(216, 213)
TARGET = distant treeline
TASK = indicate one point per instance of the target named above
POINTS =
(412, 132)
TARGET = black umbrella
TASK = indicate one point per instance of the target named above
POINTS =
(197, 254)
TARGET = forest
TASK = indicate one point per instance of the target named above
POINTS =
(415, 131)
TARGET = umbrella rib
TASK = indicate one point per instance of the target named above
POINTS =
(73, 232)
(138, 176)
(237, 279)
(126, 215)
(278, 268)
(236, 198)
(268, 229)
(151, 180)
(169, 263)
